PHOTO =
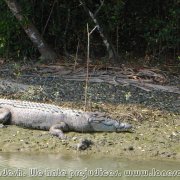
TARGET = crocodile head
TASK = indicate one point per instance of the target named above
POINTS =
(101, 122)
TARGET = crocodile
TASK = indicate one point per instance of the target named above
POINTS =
(56, 119)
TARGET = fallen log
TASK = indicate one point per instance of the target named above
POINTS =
(142, 84)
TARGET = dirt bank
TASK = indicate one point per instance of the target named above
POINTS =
(154, 115)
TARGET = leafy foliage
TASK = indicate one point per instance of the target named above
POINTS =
(140, 27)
(13, 40)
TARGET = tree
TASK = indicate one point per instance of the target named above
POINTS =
(46, 52)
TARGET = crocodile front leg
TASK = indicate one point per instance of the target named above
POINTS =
(5, 116)
(57, 130)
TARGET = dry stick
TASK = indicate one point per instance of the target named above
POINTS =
(76, 57)
(87, 65)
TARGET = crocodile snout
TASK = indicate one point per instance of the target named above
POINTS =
(123, 127)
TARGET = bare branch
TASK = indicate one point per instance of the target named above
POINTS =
(92, 30)
(65, 31)
(110, 49)
(97, 11)
(48, 18)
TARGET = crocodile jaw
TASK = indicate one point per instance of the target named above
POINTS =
(123, 127)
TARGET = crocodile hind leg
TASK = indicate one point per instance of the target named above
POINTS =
(5, 116)
(57, 130)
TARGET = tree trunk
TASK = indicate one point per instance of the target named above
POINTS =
(110, 49)
(46, 52)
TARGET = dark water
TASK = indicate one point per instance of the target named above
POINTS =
(57, 166)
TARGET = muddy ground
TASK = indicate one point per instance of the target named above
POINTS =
(154, 115)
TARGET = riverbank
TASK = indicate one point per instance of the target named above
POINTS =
(154, 115)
